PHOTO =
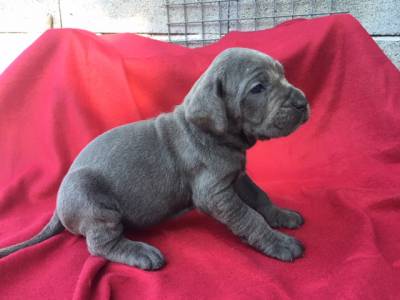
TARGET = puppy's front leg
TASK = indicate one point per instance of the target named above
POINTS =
(245, 222)
(256, 198)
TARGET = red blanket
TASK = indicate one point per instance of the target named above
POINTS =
(341, 170)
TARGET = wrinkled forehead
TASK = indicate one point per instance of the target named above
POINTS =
(252, 64)
(262, 66)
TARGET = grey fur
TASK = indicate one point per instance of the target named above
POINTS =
(53, 227)
(141, 173)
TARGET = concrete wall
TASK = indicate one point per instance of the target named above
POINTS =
(21, 21)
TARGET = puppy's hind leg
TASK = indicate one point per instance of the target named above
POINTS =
(94, 214)
(104, 238)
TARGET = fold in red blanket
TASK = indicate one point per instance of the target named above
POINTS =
(341, 170)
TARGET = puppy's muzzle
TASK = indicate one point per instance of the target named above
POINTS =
(293, 112)
(297, 100)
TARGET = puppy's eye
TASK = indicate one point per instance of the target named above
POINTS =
(257, 89)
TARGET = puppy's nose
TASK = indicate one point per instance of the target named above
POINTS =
(298, 100)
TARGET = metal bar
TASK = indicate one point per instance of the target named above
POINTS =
(292, 9)
(219, 19)
(59, 13)
(205, 2)
(229, 15)
(202, 21)
(186, 21)
(312, 3)
(263, 17)
(168, 20)
(255, 15)
(197, 41)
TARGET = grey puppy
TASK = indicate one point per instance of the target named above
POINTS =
(139, 174)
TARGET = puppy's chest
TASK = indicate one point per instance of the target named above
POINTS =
(215, 161)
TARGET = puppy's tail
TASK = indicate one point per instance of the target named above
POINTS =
(52, 228)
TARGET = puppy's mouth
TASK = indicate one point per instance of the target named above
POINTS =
(290, 119)
(306, 115)
(263, 137)
(284, 123)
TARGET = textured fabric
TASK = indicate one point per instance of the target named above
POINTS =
(341, 170)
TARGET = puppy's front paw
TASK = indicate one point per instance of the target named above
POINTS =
(147, 257)
(280, 217)
(283, 247)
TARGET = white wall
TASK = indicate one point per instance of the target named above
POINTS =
(21, 21)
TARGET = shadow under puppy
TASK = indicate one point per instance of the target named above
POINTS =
(138, 174)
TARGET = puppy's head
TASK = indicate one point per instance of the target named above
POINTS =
(245, 92)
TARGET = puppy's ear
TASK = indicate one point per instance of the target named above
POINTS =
(205, 107)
